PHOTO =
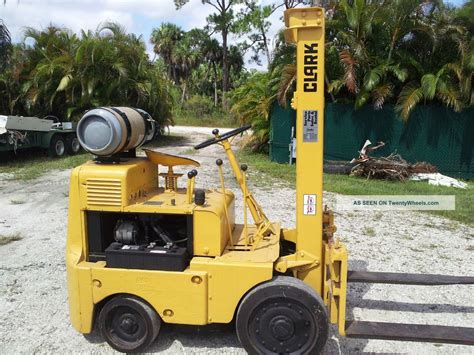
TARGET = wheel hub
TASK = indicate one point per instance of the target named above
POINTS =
(282, 327)
(128, 324)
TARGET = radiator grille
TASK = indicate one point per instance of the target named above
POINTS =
(104, 192)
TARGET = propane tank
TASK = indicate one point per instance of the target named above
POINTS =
(106, 131)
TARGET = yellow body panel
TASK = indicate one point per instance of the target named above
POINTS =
(111, 187)
(182, 293)
(81, 307)
(228, 283)
(210, 224)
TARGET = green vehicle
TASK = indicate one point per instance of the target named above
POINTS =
(17, 133)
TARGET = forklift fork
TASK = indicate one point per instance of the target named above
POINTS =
(335, 286)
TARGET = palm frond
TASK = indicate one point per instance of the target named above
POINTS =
(380, 94)
(429, 83)
(335, 86)
(64, 83)
(288, 78)
(350, 77)
(374, 76)
(449, 96)
(409, 97)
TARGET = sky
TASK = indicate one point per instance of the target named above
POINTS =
(138, 16)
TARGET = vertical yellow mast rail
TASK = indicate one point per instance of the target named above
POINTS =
(305, 27)
(327, 273)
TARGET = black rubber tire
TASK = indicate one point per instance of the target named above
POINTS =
(72, 145)
(282, 316)
(138, 328)
(57, 146)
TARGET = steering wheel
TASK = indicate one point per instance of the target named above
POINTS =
(219, 138)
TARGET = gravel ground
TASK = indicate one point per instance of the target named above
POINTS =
(33, 294)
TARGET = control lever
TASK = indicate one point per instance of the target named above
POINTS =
(244, 168)
(221, 175)
(191, 180)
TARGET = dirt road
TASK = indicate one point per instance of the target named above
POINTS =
(33, 295)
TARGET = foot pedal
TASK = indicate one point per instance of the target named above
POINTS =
(407, 279)
(410, 332)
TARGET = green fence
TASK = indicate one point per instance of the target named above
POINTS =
(282, 120)
(433, 134)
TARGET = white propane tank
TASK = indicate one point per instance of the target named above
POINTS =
(106, 131)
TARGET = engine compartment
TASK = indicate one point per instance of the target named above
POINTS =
(140, 240)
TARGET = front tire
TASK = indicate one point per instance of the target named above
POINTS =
(128, 324)
(283, 315)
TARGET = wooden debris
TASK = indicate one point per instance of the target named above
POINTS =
(392, 167)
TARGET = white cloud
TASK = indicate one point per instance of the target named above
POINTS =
(88, 14)
(138, 16)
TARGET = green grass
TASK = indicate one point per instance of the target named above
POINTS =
(9, 238)
(369, 231)
(351, 185)
(17, 202)
(35, 165)
(223, 120)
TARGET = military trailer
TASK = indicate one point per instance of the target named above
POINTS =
(17, 133)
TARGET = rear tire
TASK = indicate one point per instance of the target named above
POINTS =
(283, 315)
(57, 146)
(72, 145)
(128, 324)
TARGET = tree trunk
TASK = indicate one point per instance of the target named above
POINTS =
(392, 44)
(183, 96)
(265, 43)
(225, 67)
(216, 99)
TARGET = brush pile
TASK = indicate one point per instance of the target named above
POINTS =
(392, 167)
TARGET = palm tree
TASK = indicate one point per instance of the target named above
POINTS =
(164, 40)
(364, 75)
(5, 46)
(251, 104)
(212, 52)
(439, 73)
(64, 74)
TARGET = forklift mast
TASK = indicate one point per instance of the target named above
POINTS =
(305, 27)
(328, 273)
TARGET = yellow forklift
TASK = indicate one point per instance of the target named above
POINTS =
(141, 250)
